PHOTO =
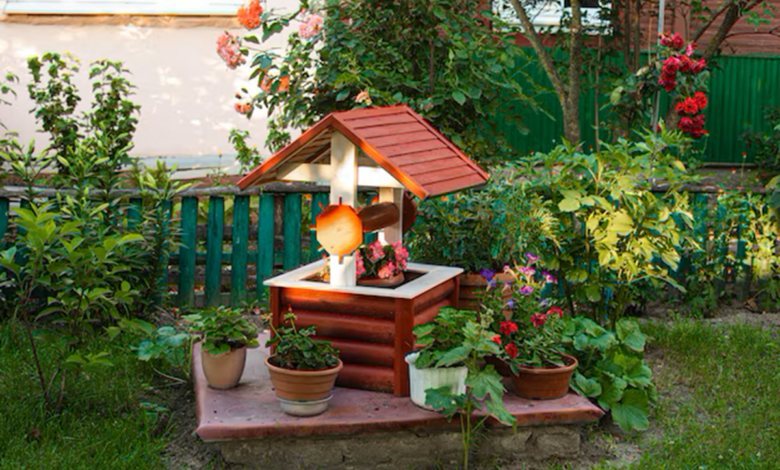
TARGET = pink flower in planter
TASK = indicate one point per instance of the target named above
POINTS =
(375, 251)
(387, 271)
(554, 310)
(527, 271)
(360, 268)
(311, 26)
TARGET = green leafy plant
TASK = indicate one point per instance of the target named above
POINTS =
(612, 370)
(485, 228)
(248, 157)
(614, 231)
(166, 346)
(454, 338)
(295, 348)
(223, 329)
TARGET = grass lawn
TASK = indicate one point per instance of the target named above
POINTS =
(719, 405)
(108, 420)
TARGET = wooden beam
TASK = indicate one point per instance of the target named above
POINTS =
(343, 189)
(323, 174)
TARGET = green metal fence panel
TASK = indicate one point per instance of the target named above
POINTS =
(162, 276)
(239, 250)
(187, 255)
(318, 202)
(292, 231)
(4, 205)
(740, 89)
(216, 222)
(265, 242)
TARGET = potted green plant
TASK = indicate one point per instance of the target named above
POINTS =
(303, 369)
(225, 335)
(435, 340)
(449, 373)
(531, 339)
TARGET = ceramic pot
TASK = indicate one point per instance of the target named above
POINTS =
(421, 380)
(372, 281)
(473, 285)
(223, 371)
(303, 392)
(544, 383)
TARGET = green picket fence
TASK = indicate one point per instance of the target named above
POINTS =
(246, 237)
(270, 230)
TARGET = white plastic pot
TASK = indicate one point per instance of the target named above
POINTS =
(421, 380)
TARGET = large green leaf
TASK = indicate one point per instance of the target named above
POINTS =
(585, 386)
(632, 411)
(569, 205)
(630, 334)
(611, 391)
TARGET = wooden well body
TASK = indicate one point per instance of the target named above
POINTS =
(370, 326)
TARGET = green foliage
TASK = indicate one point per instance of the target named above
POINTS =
(223, 329)
(457, 337)
(766, 145)
(484, 228)
(437, 57)
(167, 346)
(248, 157)
(612, 370)
(614, 232)
(294, 348)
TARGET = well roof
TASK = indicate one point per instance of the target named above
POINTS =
(392, 137)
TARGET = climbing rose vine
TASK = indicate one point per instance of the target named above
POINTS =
(680, 73)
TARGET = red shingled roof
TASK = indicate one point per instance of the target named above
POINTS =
(394, 138)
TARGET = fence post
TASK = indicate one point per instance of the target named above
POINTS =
(3, 217)
(239, 250)
(216, 222)
(316, 200)
(187, 256)
(265, 242)
(292, 230)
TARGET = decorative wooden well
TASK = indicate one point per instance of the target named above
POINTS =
(390, 148)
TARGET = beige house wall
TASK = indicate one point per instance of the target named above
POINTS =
(185, 90)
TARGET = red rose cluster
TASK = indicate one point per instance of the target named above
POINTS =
(692, 123)
(678, 61)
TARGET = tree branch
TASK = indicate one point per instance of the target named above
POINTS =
(536, 42)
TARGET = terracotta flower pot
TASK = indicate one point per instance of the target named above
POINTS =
(374, 281)
(303, 392)
(544, 383)
(473, 285)
(223, 371)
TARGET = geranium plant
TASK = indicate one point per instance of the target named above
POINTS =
(296, 348)
(223, 329)
(379, 260)
(530, 335)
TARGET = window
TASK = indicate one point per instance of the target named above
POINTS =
(545, 13)
(123, 7)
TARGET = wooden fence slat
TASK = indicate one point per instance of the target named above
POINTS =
(4, 205)
(216, 221)
(239, 250)
(265, 242)
(162, 280)
(316, 200)
(134, 213)
(292, 231)
(187, 253)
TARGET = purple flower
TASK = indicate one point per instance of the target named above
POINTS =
(526, 290)
(527, 270)
(491, 284)
(510, 303)
(487, 274)
(532, 258)
(544, 302)
(549, 277)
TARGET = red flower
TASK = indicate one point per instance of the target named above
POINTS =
(687, 106)
(508, 327)
(538, 319)
(496, 338)
(554, 310)
(511, 349)
(673, 40)
(701, 99)
(698, 66)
